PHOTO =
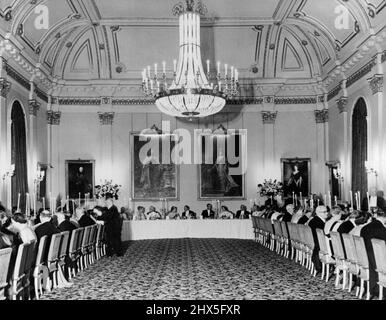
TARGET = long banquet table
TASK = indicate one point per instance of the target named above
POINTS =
(174, 229)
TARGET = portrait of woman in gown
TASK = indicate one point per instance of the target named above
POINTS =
(296, 177)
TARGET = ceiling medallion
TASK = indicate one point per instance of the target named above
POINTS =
(192, 92)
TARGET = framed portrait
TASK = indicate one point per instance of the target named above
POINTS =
(222, 158)
(80, 177)
(296, 176)
(154, 176)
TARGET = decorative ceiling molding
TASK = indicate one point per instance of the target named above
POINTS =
(342, 104)
(53, 117)
(321, 116)
(106, 118)
(269, 117)
(376, 83)
(5, 87)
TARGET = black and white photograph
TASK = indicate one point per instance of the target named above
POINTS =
(173, 154)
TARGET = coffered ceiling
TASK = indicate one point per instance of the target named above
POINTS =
(114, 39)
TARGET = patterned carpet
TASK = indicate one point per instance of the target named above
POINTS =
(197, 269)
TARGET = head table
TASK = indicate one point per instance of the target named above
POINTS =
(174, 229)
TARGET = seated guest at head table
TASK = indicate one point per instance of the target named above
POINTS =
(172, 214)
(243, 213)
(208, 213)
(140, 215)
(153, 214)
(188, 214)
(226, 213)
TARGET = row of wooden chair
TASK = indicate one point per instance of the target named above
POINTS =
(348, 256)
(85, 246)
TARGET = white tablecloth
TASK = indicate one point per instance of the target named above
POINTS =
(174, 229)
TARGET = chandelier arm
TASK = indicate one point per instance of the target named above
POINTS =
(198, 103)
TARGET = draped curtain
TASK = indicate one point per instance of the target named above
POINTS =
(359, 147)
(19, 156)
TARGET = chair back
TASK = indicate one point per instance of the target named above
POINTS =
(349, 245)
(301, 233)
(337, 246)
(73, 241)
(360, 249)
(322, 239)
(79, 240)
(64, 244)
(277, 227)
(41, 249)
(98, 237)
(254, 222)
(31, 256)
(379, 247)
(269, 226)
(21, 258)
(86, 237)
(308, 237)
(284, 229)
(94, 234)
(5, 259)
(54, 251)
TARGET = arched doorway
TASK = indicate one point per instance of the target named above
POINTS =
(19, 155)
(359, 147)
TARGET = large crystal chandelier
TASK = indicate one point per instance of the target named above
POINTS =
(192, 93)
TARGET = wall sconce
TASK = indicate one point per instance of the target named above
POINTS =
(338, 173)
(39, 176)
(370, 168)
(10, 172)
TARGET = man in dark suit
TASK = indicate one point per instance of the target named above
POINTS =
(46, 228)
(374, 230)
(113, 222)
(85, 220)
(317, 222)
(208, 213)
(64, 223)
(349, 224)
(376, 200)
(289, 211)
(188, 214)
(243, 213)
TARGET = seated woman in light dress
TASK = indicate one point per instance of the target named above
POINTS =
(20, 227)
(140, 215)
(153, 214)
(173, 214)
(225, 213)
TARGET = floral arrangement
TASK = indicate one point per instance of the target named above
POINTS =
(108, 187)
(271, 188)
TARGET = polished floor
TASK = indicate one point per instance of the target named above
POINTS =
(197, 269)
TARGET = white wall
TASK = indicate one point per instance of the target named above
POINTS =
(80, 136)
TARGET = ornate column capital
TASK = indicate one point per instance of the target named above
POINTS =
(53, 117)
(5, 87)
(342, 104)
(34, 107)
(269, 117)
(321, 116)
(376, 83)
(106, 118)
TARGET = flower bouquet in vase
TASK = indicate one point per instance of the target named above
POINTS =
(108, 187)
(271, 189)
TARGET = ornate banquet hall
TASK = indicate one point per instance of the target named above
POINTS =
(165, 150)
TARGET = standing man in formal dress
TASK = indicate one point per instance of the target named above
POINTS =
(317, 222)
(112, 219)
